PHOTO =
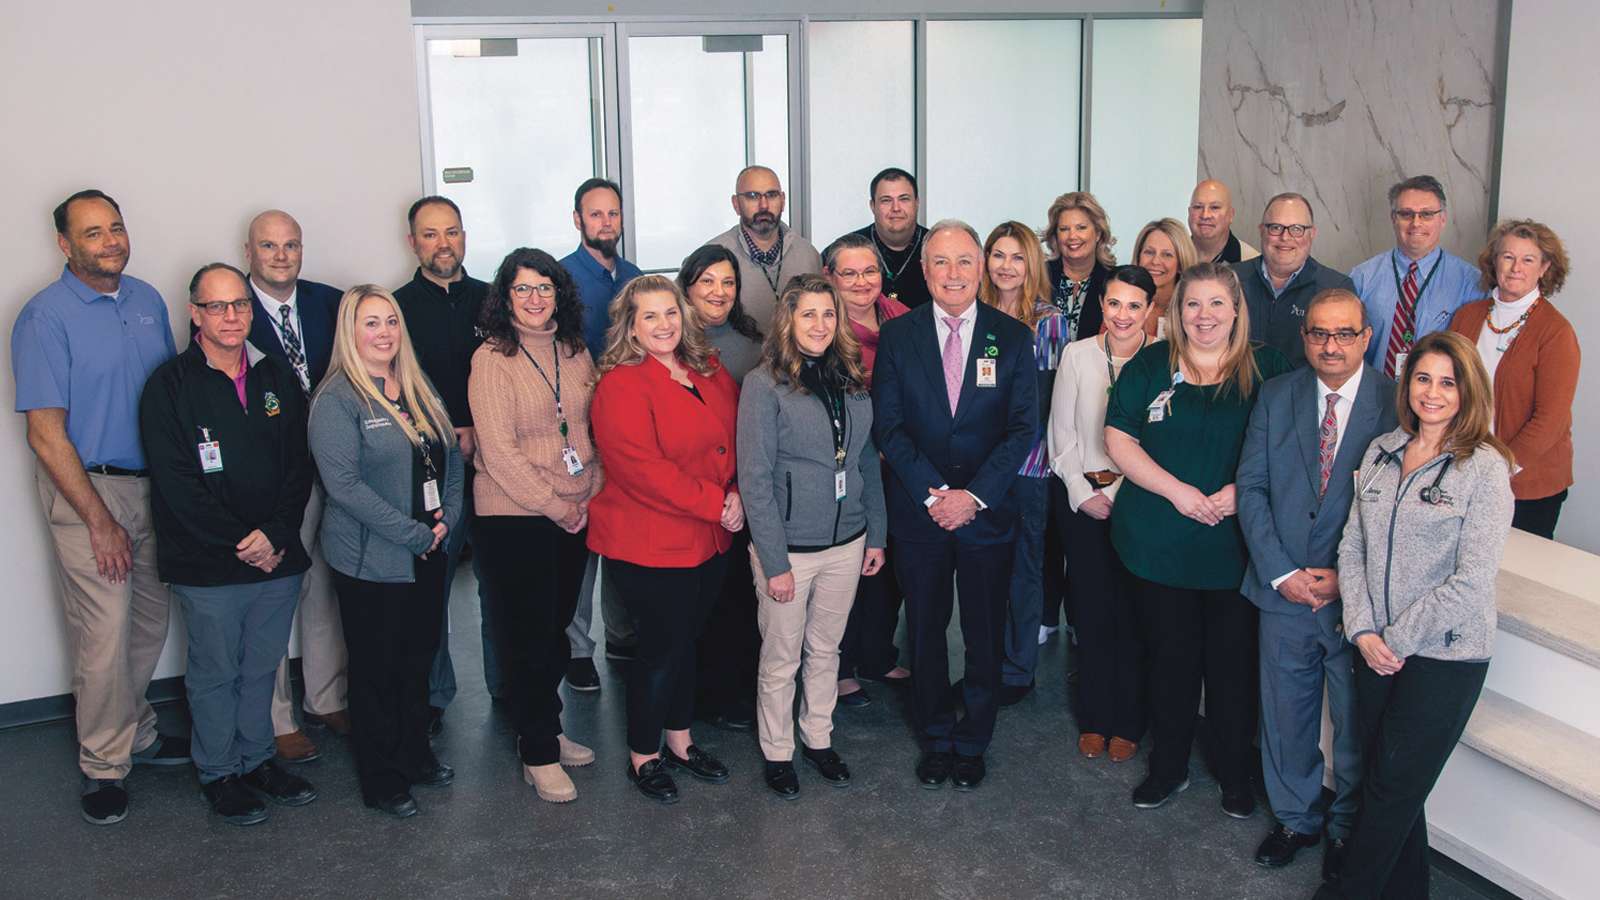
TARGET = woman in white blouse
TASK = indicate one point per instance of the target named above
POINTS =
(1109, 710)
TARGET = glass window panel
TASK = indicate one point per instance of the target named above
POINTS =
(856, 133)
(1003, 119)
(1145, 71)
(526, 125)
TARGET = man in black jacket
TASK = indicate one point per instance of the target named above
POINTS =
(1279, 286)
(224, 429)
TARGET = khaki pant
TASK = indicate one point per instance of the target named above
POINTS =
(115, 632)
(322, 654)
(803, 635)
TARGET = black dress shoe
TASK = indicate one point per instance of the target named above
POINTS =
(828, 765)
(581, 675)
(619, 653)
(899, 681)
(736, 722)
(699, 764)
(270, 782)
(1282, 844)
(1239, 803)
(1155, 793)
(1333, 860)
(856, 698)
(654, 782)
(397, 806)
(165, 750)
(436, 775)
(782, 780)
(435, 720)
(933, 769)
(230, 799)
(968, 772)
(1012, 694)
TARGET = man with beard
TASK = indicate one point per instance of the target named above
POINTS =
(769, 254)
(1279, 286)
(1211, 224)
(894, 229)
(599, 272)
(81, 352)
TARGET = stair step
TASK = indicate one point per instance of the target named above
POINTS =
(1542, 747)
(1549, 617)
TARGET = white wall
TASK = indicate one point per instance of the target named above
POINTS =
(195, 116)
(1548, 173)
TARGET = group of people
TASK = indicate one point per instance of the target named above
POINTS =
(1254, 477)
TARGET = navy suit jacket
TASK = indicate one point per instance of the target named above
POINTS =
(1285, 525)
(980, 449)
(318, 305)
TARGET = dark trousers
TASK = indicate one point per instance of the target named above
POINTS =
(1110, 665)
(391, 631)
(728, 650)
(442, 677)
(669, 608)
(1193, 637)
(1057, 587)
(1025, 603)
(1409, 723)
(1539, 516)
(532, 569)
(868, 647)
(982, 573)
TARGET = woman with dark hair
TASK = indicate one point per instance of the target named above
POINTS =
(1417, 568)
(1078, 233)
(710, 278)
(530, 387)
(1531, 353)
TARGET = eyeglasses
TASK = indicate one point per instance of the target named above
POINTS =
(757, 196)
(851, 276)
(1424, 215)
(221, 307)
(524, 291)
(1275, 229)
(1318, 337)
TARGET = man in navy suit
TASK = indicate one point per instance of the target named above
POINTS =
(953, 404)
(294, 319)
(1305, 441)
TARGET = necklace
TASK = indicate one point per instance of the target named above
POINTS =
(910, 252)
(1515, 328)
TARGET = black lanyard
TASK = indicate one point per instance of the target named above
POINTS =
(1400, 293)
(833, 399)
(561, 415)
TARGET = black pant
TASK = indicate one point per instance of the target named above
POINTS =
(867, 648)
(1057, 587)
(728, 650)
(1539, 516)
(1193, 636)
(391, 633)
(1110, 666)
(532, 569)
(668, 608)
(1409, 724)
(982, 572)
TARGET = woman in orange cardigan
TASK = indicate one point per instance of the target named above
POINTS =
(1532, 356)
(665, 415)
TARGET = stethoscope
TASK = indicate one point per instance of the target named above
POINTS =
(1431, 494)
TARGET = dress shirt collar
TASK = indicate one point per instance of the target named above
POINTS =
(1347, 392)
(271, 303)
(1403, 262)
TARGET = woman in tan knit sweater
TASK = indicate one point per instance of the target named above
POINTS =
(530, 388)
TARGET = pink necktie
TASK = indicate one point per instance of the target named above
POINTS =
(953, 363)
(1329, 442)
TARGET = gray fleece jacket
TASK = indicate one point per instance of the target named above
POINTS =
(1418, 574)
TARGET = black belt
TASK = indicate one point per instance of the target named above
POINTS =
(118, 470)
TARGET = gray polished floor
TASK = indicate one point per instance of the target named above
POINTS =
(1046, 823)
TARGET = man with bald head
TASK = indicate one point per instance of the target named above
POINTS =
(294, 319)
(769, 254)
(1279, 286)
(1211, 224)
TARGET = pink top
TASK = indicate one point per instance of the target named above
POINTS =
(888, 308)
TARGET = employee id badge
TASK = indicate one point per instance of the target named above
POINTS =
(430, 494)
(986, 372)
(210, 457)
(1158, 406)
(838, 486)
(570, 457)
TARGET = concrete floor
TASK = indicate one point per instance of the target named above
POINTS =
(1046, 823)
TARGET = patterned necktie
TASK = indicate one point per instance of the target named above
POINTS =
(292, 348)
(1405, 319)
(953, 363)
(1328, 444)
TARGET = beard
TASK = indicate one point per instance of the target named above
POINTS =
(606, 247)
(762, 223)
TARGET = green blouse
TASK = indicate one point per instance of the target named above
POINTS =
(1198, 442)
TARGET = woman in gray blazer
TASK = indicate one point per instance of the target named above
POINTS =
(387, 454)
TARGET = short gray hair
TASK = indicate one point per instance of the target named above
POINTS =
(951, 225)
(1426, 183)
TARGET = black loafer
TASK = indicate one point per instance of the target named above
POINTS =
(581, 675)
(856, 698)
(437, 775)
(435, 720)
(968, 772)
(104, 802)
(395, 806)
(828, 765)
(1239, 803)
(933, 769)
(699, 764)
(230, 799)
(1333, 860)
(901, 681)
(1281, 844)
(782, 780)
(270, 782)
(735, 722)
(654, 782)
(1155, 793)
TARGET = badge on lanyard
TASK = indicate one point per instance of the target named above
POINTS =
(838, 485)
(430, 495)
(210, 453)
(986, 372)
(570, 457)
(1160, 406)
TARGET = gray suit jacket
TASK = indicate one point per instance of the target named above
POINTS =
(1285, 524)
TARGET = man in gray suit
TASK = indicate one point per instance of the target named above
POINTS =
(1305, 440)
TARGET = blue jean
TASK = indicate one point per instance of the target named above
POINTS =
(442, 677)
(237, 635)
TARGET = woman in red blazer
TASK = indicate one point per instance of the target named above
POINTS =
(665, 414)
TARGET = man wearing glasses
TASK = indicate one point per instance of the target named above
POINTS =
(1306, 436)
(1416, 287)
(1279, 286)
(769, 254)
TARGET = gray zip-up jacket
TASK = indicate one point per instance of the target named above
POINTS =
(365, 460)
(786, 472)
(1420, 574)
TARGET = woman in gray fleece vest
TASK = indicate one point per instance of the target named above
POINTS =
(1416, 571)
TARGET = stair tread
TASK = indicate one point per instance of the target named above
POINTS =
(1549, 617)
(1538, 745)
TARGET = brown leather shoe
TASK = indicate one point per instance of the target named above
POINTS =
(1121, 750)
(1092, 745)
(338, 720)
(296, 747)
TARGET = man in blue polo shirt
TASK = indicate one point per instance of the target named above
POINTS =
(81, 351)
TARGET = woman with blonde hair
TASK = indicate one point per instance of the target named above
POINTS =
(387, 455)
(1174, 427)
(1165, 250)
(1078, 233)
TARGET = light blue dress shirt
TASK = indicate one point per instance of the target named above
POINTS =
(1453, 285)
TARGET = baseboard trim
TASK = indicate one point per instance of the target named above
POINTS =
(62, 706)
